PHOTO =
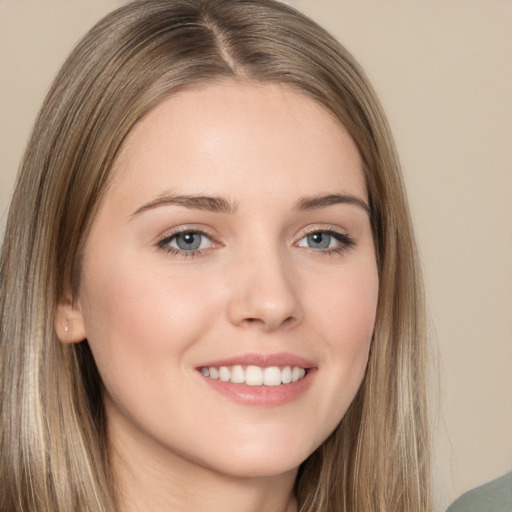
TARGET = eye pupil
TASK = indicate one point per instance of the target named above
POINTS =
(319, 240)
(188, 241)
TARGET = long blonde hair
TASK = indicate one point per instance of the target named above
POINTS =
(53, 446)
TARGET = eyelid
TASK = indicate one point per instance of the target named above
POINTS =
(186, 228)
(345, 240)
(163, 242)
(328, 228)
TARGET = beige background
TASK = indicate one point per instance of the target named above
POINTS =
(443, 70)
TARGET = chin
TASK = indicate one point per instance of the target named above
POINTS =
(261, 462)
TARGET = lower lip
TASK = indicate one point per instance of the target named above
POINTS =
(269, 396)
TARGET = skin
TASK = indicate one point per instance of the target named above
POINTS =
(153, 315)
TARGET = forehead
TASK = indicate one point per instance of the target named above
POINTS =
(239, 136)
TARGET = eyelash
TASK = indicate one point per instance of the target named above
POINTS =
(164, 244)
(344, 240)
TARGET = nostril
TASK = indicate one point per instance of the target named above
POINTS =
(268, 323)
(253, 320)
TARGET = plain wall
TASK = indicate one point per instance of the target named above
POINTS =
(443, 70)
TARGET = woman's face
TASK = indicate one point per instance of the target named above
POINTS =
(233, 242)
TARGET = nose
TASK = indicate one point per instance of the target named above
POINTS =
(264, 293)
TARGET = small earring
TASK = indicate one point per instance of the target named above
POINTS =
(66, 327)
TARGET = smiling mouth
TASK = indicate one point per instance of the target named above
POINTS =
(255, 375)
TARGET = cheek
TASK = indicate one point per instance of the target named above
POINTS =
(347, 305)
(134, 316)
(346, 317)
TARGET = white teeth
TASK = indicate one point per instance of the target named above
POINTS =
(237, 374)
(286, 375)
(255, 375)
(224, 374)
(297, 373)
(272, 376)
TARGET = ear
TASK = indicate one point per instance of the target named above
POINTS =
(69, 321)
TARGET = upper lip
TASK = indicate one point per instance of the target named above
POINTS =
(262, 360)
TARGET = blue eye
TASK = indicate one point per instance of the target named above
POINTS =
(326, 241)
(319, 240)
(186, 242)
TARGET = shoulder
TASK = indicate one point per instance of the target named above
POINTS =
(495, 496)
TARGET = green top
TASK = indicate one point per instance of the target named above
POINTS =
(496, 496)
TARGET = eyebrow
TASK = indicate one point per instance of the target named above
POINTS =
(207, 203)
(322, 201)
(219, 204)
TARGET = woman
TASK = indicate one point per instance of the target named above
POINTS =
(210, 293)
